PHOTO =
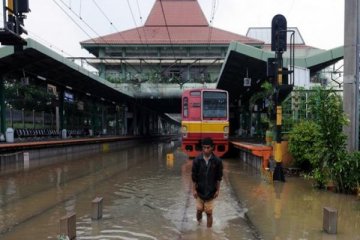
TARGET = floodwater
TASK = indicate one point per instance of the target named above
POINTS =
(147, 195)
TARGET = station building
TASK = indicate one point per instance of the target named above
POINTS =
(170, 52)
(143, 71)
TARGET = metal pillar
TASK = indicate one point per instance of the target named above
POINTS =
(2, 105)
(117, 125)
(135, 120)
(351, 73)
(94, 116)
(278, 171)
(61, 109)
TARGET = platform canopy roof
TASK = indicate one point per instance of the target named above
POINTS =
(39, 62)
(244, 61)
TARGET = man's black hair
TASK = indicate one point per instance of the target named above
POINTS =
(207, 141)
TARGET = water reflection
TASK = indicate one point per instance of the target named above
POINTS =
(147, 195)
(293, 210)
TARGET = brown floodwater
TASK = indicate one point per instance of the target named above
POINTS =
(147, 195)
(294, 209)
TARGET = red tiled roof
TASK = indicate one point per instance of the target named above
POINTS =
(178, 35)
(177, 13)
(185, 24)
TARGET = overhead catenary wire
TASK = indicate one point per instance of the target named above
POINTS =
(167, 28)
(143, 28)
(44, 41)
(60, 50)
(101, 37)
(138, 7)
(104, 14)
(137, 28)
(92, 29)
(214, 6)
(109, 20)
(50, 44)
(79, 8)
(86, 33)
(133, 18)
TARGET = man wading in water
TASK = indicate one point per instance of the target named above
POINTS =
(207, 172)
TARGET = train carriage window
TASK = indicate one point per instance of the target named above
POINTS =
(185, 107)
(214, 104)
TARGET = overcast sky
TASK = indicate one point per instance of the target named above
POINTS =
(321, 22)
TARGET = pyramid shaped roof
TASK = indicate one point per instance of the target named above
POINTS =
(173, 22)
(176, 13)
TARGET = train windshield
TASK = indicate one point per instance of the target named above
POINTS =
(214, 104)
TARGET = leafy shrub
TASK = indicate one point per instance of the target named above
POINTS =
(302, 140)
(348, 172)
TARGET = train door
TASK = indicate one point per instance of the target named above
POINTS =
(195, 106)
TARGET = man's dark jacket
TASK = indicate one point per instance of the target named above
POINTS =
(206, 176)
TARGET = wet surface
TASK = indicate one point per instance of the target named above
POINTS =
(147, 195)
(294, 209)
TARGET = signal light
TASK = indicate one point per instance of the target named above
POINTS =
(278, 33)
(15, 15)
(18, 7)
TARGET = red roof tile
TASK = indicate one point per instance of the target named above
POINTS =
(178, 35)
(176, 13)
(185, 24)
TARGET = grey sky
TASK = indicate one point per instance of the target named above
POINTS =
(321, 22)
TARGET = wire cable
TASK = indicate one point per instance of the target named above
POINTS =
(137, 28)
(133, 18)
(104, 14)
(50, 44)
(167, 28)
(111, 23)
(79, 16)
(84, 22)
(86, 33)
(212, 17)
(138, 7)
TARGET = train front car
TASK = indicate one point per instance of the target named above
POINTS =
(205, 113)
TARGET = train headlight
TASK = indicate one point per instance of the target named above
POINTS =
(226, 132)
(184, 131)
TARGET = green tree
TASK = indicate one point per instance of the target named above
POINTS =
(325, 107)
(327, 152)
(30, 97)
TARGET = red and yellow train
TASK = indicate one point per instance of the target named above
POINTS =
(205, 113)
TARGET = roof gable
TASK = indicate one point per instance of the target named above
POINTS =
(185, 24)
(176, 13)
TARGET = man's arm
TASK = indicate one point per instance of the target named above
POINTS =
(219, 178)
(195, 194)
(194, 178)
(217, 189)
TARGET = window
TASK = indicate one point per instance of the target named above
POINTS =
(214, 104)
(185, 107)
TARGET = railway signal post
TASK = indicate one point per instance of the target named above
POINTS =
(278, 45)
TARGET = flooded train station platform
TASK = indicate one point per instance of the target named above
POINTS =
(147, 195)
